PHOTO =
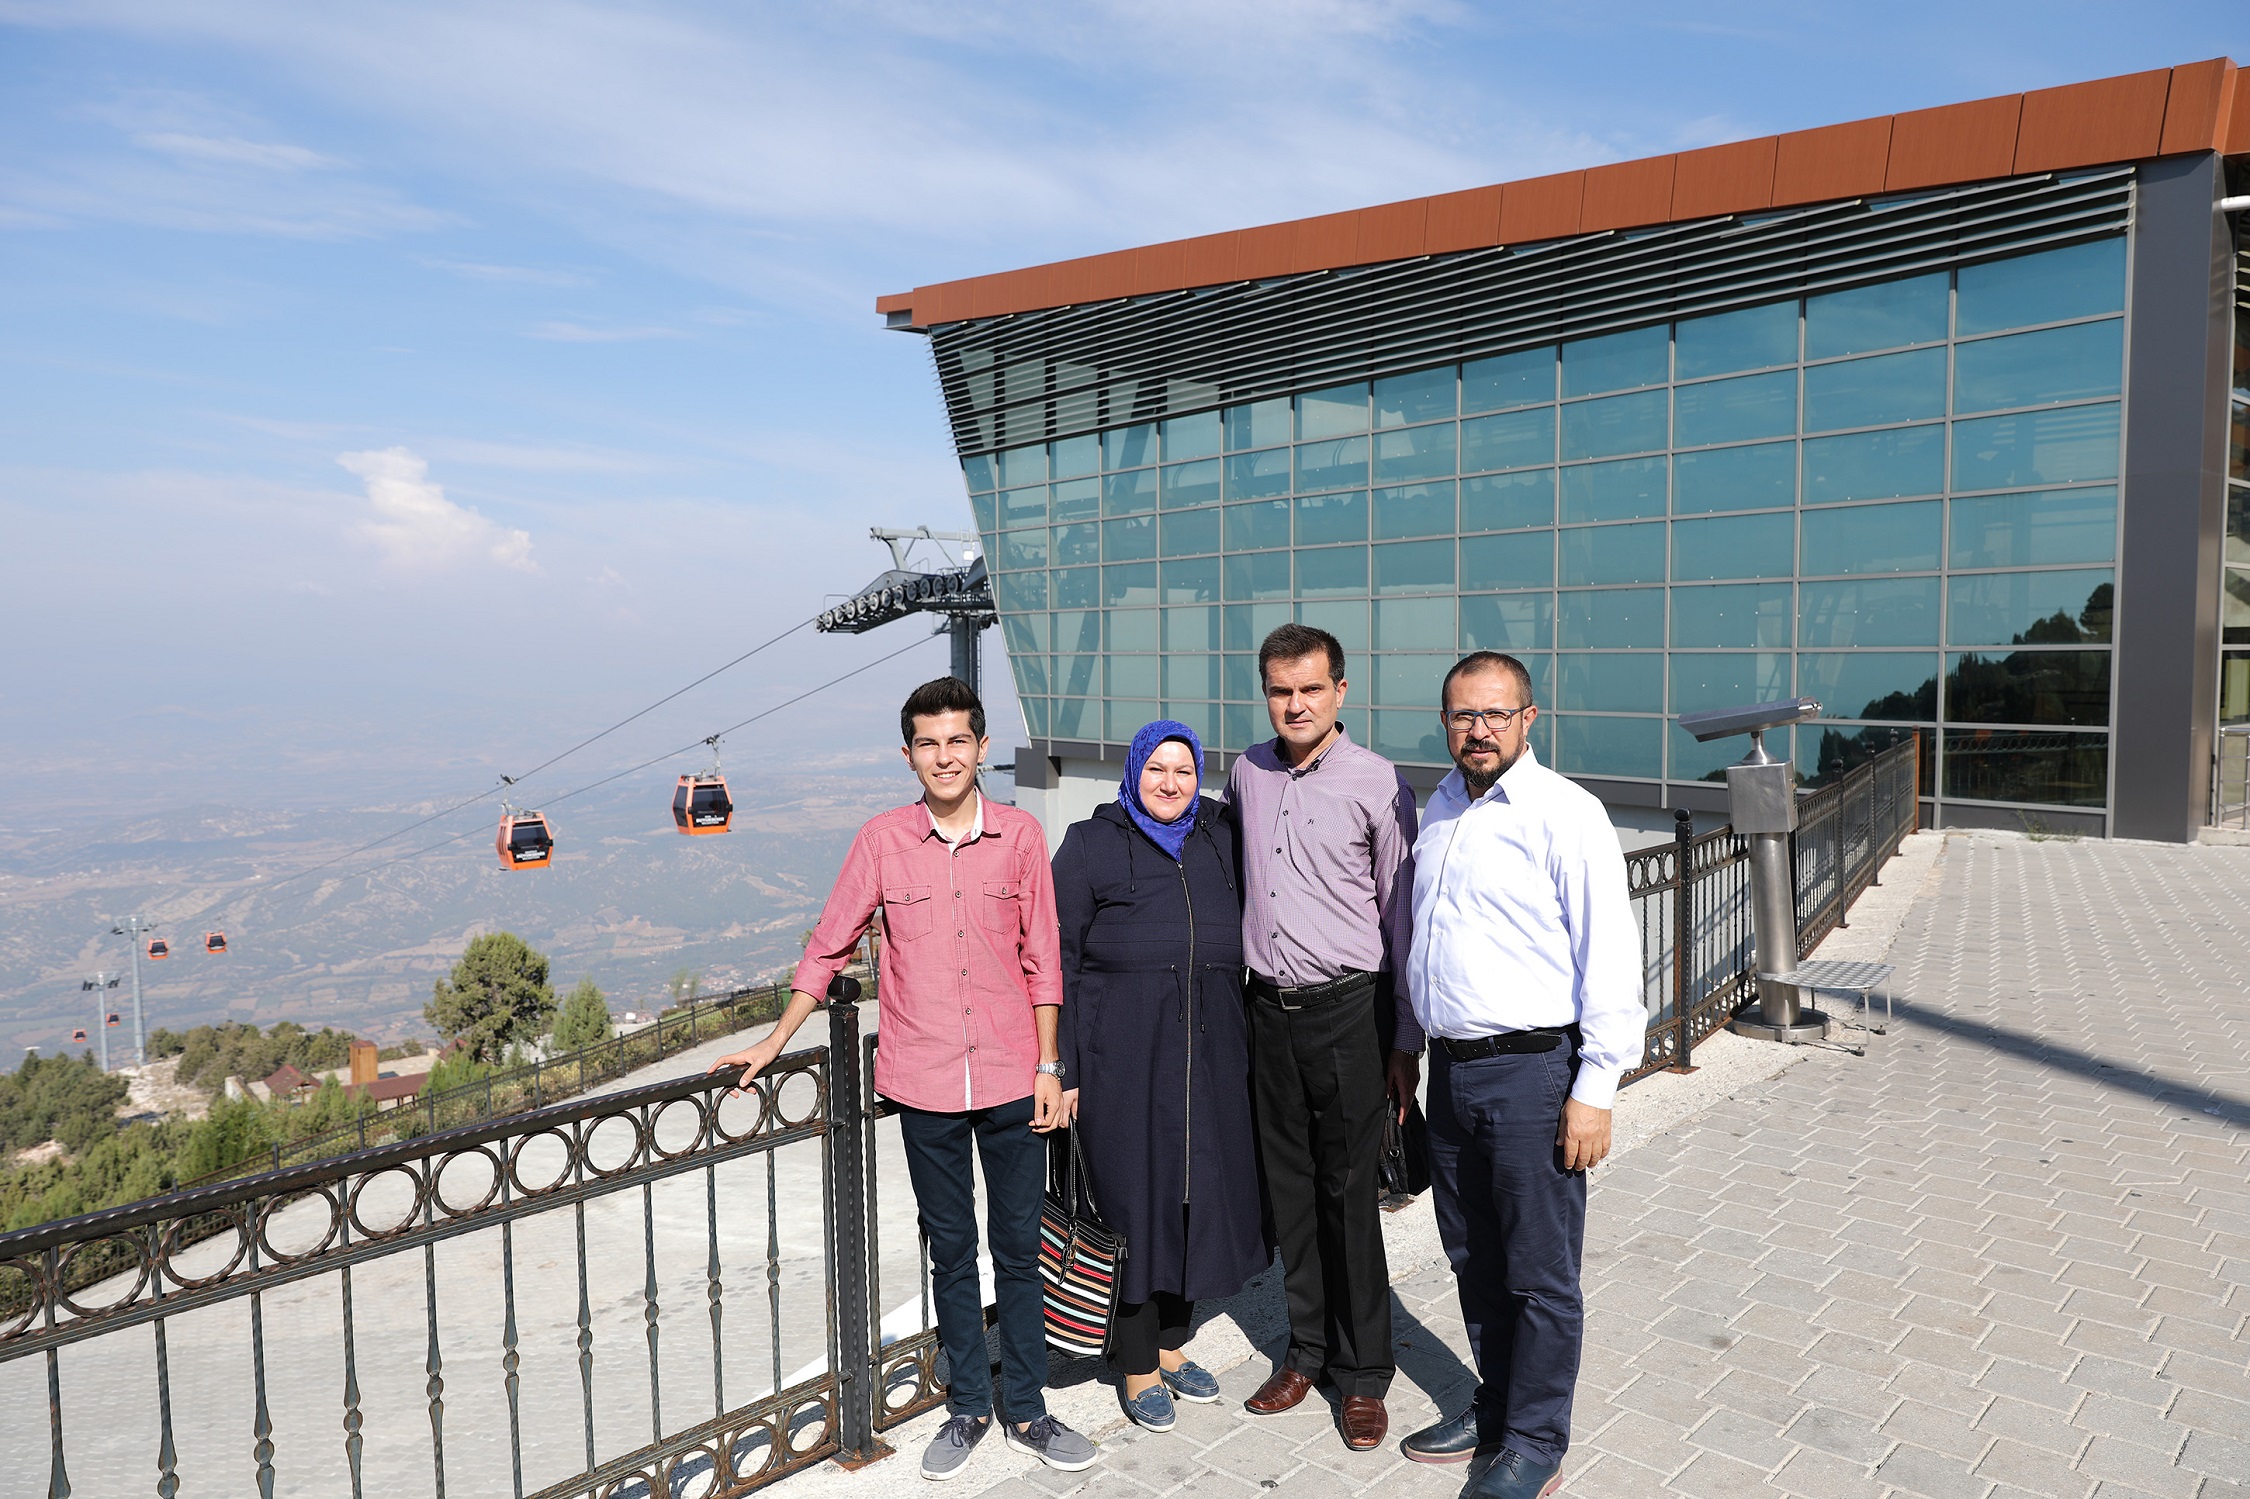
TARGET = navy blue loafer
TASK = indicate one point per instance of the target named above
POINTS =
(1191, 1381)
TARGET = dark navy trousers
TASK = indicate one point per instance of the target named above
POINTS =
(1514, 1225)
(938, 1147)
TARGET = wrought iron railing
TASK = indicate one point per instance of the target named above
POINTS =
(1693, 897)
(2230, 777)
(289, 1306)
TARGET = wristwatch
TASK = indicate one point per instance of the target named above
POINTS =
(1051, 1069)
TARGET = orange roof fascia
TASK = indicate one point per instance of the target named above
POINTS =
(2200, 106)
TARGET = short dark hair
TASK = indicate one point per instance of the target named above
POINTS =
(944, 695)
(1289, 642)
(1481, 661)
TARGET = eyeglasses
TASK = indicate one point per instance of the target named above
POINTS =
(1462, 720)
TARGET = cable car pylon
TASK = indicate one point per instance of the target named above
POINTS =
(961, 595)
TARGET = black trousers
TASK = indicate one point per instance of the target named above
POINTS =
(1143, 1329)
(1513, 1223)
(1316, 1078)
(938, 1147)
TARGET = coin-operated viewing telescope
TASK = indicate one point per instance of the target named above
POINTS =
(1762, 805)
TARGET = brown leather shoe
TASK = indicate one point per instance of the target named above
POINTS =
(1364, 1421)
(1280, 1393)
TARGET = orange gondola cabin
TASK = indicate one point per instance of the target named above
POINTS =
(700, 805)
(78, 1034)
(158, 948)
(115, 1020)
(215, 942)
(525, 841)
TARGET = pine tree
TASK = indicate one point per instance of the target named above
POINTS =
(497, 994)
(584, 1019)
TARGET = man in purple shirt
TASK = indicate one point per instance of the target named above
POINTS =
(1327, 833)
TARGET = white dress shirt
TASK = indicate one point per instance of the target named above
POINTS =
(1521, 920)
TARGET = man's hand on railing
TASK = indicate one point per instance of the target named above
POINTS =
(752, 1061)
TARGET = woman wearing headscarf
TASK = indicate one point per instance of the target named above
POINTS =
(1156, 1048)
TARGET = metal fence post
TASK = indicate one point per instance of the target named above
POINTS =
(1683, 940)
(856, 1368)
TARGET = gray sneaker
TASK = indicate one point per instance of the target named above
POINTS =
(1054, 1444)
(951, 1447)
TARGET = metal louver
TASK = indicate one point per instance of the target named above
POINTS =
(1071, 370)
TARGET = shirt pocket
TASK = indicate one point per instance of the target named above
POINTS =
(906, 912)
(1000, 907)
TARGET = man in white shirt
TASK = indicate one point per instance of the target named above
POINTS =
(1525, 974)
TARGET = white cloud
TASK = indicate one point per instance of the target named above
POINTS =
(561, 331)
(416, 526)
(232, 150)
(527, 275)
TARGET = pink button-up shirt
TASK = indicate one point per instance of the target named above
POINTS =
(969, 948)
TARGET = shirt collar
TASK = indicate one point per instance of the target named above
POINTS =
(1342, 736)
(976, 828)
(1514, 785)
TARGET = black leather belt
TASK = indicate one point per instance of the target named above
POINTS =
(1307, 996)
(1507, 1044)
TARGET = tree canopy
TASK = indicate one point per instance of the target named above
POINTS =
(584, 1019)
(62, 1098)
(497, 995)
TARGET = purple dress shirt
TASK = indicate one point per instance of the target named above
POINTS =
(1328, 871)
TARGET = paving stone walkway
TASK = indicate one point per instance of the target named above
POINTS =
(2006, 1253)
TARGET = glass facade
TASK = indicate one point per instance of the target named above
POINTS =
(2234, 582)
(1900, 499)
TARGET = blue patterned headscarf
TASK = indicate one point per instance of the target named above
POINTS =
(1171, 837)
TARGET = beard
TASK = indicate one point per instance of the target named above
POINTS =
(1477, 781)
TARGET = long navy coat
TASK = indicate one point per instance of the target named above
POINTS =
(1157, 1044)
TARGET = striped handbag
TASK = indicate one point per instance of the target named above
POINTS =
(1080, 1258)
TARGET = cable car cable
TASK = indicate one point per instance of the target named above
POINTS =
(645, 764)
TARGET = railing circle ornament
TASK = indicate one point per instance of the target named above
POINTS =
(275, 1211)
(386, 1187)
(180, 1238)
(129, 1252)
(482, 1169)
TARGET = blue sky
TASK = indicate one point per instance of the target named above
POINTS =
(392, 394)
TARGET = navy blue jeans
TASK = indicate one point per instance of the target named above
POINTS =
(1514, 1225)
(1015, 1177)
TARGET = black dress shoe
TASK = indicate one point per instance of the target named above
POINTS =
(1453, 1441)
(1514, 1476)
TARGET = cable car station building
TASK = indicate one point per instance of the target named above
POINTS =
(1925, 416)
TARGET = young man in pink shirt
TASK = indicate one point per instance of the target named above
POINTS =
(970, 995)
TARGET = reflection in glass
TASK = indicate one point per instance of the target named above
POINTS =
(1024, 633)
(1518, 559)
(1077, 587)
(1125, 447)
(1076, 718)
(1331, 571)
(1888, 315)
(1416, 453)
(2237, 540)
(1702, 680)
(1080, 499)
(1191, 484)
(1414, 510)
(1191, 677)
(1691, 761)
(1022, 465)
(2036, 529)
(1331, 517)
(1590, 746)
(1507, 622)
(1256, 526)
(1871, 684)
(2062, 608)
(1613, 554)
(1504, 502)
(1021, 591)
(2001, 765)
(1242, 725)
(1413, 566)
(1259, 424)
(1756, 478)
(1732, 614)
(1521, 379)
(1035, 716)
(1868, 612)
(1130, 583)
(1409, 681)
(1610, 682)
(1737, 410)
(1752, 338)
(2045, 687)
(1023, 549)
(1614, 425)
(1201, 717)
(977, 472)
(1129, 493)
(1126, 716)
(1410, 736)
(1335, 412)
(1616, 361)
(986, 509)
(1872, 539)
(1192, 582)
(1078, 675)
(1071, 544)
(1192, 628)
(2076, 281)
(1339, 463)
(1241, 679)
(1621, 489)
(1612, 618)
(1346, 621)
(1259, 575)
(1874, 465)
(1023, 507)
(1131, 629)
(1194, 436)
(1414, 624)
(1872, 392)
(1826, 753)
(1249, 624)
(1423, 396)
(1189, 532)
(1734, 546)
(2036, 447)
(1514, 439)
(2033, 369)
(1077, 631)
